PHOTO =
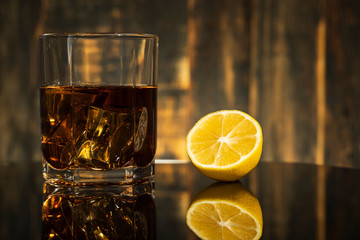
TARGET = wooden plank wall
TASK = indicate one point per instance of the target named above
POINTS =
(19, 124)
(342, 89)
(294, 65)
(283, 77)
(218, 47)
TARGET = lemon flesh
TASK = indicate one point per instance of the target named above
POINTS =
(225, 145)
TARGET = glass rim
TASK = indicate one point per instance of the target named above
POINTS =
(100, 35)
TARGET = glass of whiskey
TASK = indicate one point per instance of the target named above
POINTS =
(98, 104)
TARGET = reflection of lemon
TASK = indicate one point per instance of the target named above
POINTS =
(225, 145)
(225, 211)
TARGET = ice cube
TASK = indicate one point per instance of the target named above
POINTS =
(79, 120)
(141, 129)
(67, 154)
(55, 109)
(103, 123)
(93, 154)
(88, 97)
(100, 156)
(84, 151)
(57, 152)
(121, 145)
(93, 118)
(106, 126)
(107, 141)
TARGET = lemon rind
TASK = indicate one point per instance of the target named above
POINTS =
(244, 157)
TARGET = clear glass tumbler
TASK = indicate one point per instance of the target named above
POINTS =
(98, 99)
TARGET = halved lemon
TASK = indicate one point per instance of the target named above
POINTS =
(225, 145)
(225, 211)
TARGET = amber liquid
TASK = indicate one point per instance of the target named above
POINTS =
(95, 214)
(100, 128)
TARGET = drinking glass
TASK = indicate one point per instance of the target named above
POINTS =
(98, 95)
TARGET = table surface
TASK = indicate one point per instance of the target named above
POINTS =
(298, 201)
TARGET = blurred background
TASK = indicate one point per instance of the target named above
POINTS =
(293, 65)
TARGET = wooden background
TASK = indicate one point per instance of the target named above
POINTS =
(294, 65)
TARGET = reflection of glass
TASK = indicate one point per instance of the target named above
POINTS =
(225, 211)
(99, 212)
(98, 106)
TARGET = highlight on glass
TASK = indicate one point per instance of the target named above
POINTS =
(98, 95)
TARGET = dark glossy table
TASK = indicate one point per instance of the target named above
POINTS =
(298, 201)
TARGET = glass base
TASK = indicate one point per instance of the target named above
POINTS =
(124, 175)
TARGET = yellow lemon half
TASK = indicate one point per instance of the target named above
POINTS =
(225, 145)
(225, 211)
